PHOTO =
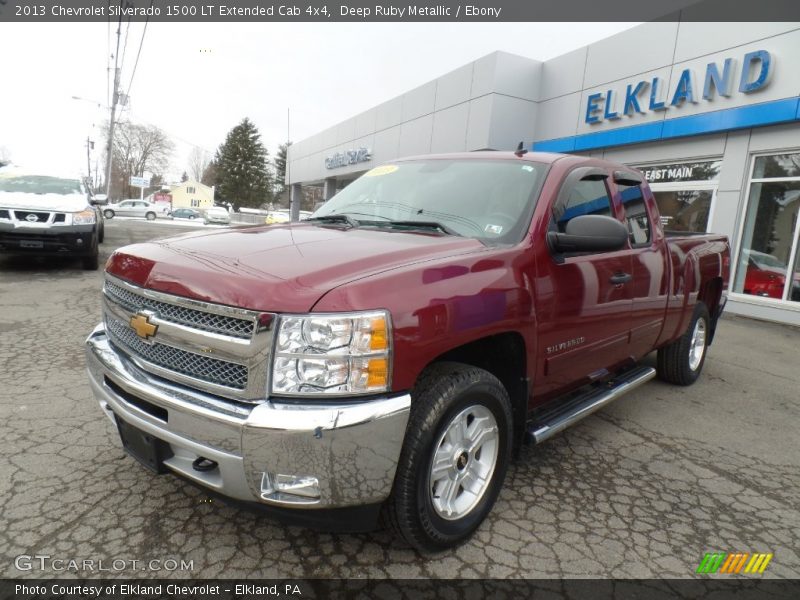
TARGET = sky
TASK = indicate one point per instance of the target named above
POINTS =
(197, 81)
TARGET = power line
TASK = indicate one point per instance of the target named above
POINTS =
(141, 42)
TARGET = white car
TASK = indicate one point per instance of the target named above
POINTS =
(217, 214)
(46, 215)
(135, 208)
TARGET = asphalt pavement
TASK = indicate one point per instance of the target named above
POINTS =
(642, 489)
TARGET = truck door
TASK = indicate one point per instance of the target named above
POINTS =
(650, 284)
(583, 301)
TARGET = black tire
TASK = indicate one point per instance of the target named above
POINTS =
(92, 261)
(674, 363)
(108, 213)
(101, 235)
(444, 392)
(151, 216)
(192, 217)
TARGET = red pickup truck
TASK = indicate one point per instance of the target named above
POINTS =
(388, 356)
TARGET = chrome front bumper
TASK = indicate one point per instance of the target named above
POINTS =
(350, 448)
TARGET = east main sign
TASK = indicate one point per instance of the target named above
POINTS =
(650, 94)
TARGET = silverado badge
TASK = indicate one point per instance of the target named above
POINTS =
(141, 324)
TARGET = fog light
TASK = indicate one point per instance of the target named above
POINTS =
(289, 489)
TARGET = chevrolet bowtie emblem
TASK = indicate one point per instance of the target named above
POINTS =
(142, 326)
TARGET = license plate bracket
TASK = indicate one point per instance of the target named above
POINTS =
(31, 244)
(148, 450)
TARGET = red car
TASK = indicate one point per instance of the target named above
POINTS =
(766, 275)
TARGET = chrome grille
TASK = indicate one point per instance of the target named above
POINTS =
(197, 319)
(32, 216)
(211, 370)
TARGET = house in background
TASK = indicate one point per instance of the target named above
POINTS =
(192, 194)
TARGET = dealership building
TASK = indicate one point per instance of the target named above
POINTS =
(710, 112)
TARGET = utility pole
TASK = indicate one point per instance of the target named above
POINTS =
(114, 98)
(89, 146)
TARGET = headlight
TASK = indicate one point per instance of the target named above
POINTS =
(85, 217)
(339, 354)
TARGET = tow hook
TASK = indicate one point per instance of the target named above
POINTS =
(203, 464)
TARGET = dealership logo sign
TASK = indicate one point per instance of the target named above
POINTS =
(652, 94)
(348, 157)
(735, 562)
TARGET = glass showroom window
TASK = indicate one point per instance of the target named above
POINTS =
(769, 263)
(684, 192)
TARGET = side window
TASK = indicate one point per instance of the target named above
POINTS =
(635, 214)
(588, 197)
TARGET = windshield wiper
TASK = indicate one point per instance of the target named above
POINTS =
(423, 225)
(338, 218)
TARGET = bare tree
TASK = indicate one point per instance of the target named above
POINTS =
(209, 177)
(198, 162)
(138, 148)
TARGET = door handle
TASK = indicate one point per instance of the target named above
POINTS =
(620, 278)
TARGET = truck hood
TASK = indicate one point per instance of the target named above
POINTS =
(50, 202)
(281, 268)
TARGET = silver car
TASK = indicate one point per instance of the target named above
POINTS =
(217, 214)
(133, 208)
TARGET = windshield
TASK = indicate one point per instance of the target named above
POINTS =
(489, 200)
(766, 260)
(40, 184)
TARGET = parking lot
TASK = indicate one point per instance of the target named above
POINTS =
(641, 489)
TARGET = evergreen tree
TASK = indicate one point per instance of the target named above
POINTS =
(209, 177)
(242, 172)
(280, 167)
(184, 177)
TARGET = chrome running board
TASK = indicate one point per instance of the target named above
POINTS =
(557, 420)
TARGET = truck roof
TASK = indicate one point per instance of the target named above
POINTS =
(540, 157)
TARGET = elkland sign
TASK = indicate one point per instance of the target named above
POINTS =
(651, 94)
(348, 157)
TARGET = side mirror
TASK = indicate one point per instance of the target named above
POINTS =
(589, 233)
(99, 199)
